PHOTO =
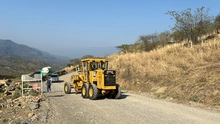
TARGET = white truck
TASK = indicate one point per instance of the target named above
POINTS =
(54, 78)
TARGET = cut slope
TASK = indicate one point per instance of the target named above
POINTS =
(174, 72)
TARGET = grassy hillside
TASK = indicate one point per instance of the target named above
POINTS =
(176, 73)
(17, 59)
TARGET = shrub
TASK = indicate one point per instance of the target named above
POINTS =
(17, 94)
(17, 87)
(5, 120)
(25, 86)
(194, 98)
(33, 92)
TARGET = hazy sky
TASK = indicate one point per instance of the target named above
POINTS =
(62, 26)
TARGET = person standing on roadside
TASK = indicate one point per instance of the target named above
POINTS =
(48, 83)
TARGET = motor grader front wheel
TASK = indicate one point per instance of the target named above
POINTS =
(93, 92)
(67, 88)
(117, 94)
(85, 88)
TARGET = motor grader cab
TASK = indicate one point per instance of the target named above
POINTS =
(93, 78)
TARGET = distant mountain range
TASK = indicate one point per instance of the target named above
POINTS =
(16, 59)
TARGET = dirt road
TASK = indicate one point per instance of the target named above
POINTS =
(130, 109)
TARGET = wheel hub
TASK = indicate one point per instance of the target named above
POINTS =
(90, 92)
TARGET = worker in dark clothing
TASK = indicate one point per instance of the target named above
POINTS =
(48, 83)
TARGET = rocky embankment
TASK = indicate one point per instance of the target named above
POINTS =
(14, 108)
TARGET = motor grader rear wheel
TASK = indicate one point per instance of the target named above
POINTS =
(85, 88)
(67, 88)
(93, 92)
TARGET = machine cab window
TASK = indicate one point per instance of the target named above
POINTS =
(99, 65)
(104, 65)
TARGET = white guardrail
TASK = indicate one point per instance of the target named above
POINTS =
(32, 78)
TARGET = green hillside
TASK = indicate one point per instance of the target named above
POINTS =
(17, 59)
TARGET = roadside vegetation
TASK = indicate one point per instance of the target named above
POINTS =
(181, 66)
(174, 72)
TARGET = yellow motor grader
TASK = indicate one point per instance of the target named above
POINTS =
(93, 78)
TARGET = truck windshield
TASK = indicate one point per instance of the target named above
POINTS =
(53, 75)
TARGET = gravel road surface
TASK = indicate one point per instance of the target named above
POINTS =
(130, 109)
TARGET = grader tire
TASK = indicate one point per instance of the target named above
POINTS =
(93, 92)
(85, 89)
(67, 88)
(118, 92)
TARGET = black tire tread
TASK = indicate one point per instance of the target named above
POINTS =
(118, 92)
(68, 88)
(95, 92)
(87, 90)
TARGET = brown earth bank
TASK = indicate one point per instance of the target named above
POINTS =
(30, 108)
(175, 73)
(24, 110)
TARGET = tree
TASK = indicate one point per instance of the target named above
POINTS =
(203, 23)
(125, 48)
(191, 26)
(217, 23)
(183, 23)
(148, 42)
(164, 37)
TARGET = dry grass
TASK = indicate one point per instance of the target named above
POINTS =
(189, 74)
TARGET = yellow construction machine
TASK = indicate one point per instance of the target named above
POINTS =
(93, 78)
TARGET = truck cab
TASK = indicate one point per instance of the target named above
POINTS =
(54, 78)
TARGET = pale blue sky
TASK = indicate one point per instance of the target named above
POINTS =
(61, 27)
